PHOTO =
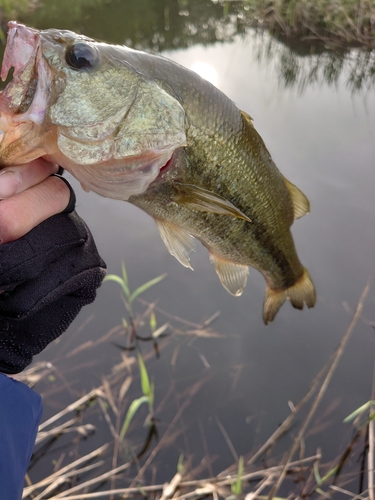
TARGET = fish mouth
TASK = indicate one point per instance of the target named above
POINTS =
(23, 102)
(21, 55)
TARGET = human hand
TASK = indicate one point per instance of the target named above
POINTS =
(49, 265)
(29, 195)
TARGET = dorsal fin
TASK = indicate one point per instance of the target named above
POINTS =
(178, 241)
(247, 118)
(301, 204)
(233, 276)
(198, 198)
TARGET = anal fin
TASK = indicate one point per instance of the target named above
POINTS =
(233, 276)
(178, 241)
(301, 204)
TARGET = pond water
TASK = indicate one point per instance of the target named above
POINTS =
(316, 115)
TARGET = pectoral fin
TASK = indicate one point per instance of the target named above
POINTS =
(301, 204)
(233, 277)
(178, 242)
(206, 201)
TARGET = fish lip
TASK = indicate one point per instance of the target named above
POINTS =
(19, 35)
(21, 53)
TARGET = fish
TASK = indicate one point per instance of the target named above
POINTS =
(141, 128)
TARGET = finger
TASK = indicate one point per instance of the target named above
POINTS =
(18, 178)
(22, 212)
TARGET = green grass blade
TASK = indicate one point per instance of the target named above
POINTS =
(145, 381)
(329, 474)
(145, 287)
(133, 408)
(153, 323)
(180, 465)
(120, 281)
(317, 476)
(124, 274)
(237, 486)
(322, 493)
(358, 411)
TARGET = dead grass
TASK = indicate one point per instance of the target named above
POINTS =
(336, 23)
(308, 476)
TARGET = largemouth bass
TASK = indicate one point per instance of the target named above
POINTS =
(141, 128)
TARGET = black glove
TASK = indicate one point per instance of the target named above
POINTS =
(46, 277)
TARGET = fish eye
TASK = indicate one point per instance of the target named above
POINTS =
(81, 55)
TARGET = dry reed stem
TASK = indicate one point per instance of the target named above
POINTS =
(200, 330)
(202, 491)
(371, 437)
(270, 471)
(227, 439)
(96, 453)
(120, 397)
(333, 365)
(98, 392)
(353, 496)
(37, 372)
(109, 396)
(170, 488)
(271, 441)
(95, 480)
(93, 343)
(108, 420)
(63, 479)
(84, 430)
(56, 430)
(199, 485)
(263, 484)
(370, 471)
(124, 388)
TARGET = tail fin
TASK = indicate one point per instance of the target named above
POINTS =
(303, 291)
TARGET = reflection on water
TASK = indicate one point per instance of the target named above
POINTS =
(323, 141)
(314, 69)
(166, 25)
(145, 24)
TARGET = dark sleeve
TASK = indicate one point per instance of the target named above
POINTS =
(20, 414)
(46, 277)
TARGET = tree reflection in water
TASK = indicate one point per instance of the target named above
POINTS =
(175, 24)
